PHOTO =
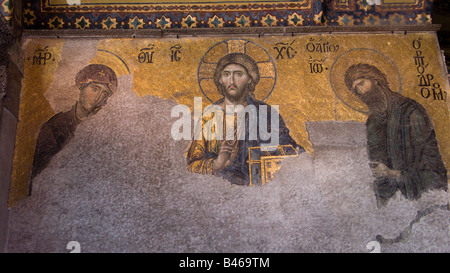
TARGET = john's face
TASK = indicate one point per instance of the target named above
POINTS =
(93, 95)
(362, 86)
(371, 94)
(234, 78)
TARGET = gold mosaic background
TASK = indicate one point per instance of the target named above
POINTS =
(304, 72)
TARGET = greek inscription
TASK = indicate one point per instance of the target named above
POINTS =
(41, 56)
(425, 80)
(175, 53)
(316, 65)
(321, 46)
(285, 50)
(438, 93)
(417, 44)
(146, 54)
(425, 92)
(428, 88)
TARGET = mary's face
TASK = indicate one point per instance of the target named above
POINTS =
(93, 95)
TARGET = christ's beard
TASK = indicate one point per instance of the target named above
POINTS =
(375, 99)
(238, 96)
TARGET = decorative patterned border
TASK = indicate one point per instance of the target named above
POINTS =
(158, 6)
(41, 15)
(419, 5)
(360, 12)
(344, 5)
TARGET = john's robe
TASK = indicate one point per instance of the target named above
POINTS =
(403, 139)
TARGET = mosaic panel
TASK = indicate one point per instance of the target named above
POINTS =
(300, 74)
